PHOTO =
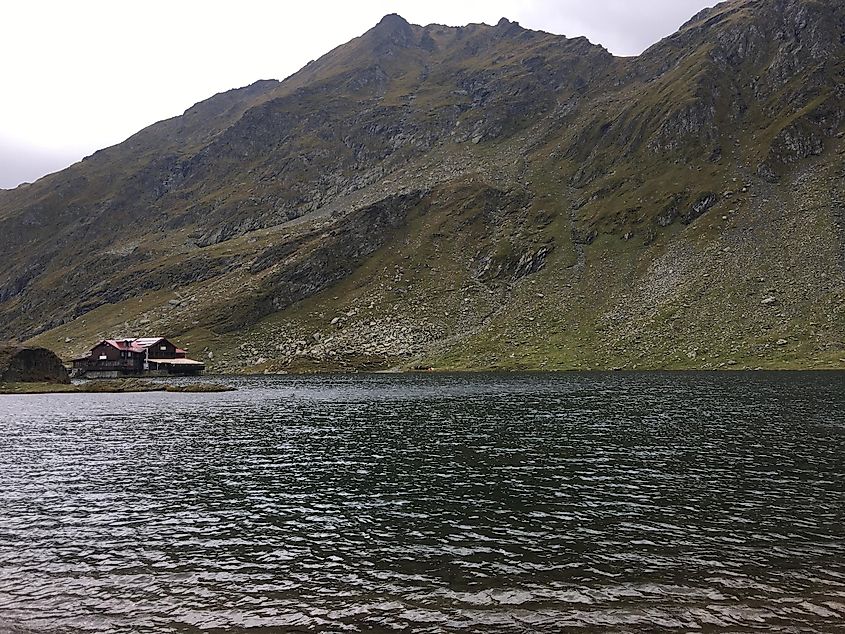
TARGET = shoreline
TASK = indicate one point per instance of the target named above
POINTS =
(117, 386)
(128, 386)
(494, 370)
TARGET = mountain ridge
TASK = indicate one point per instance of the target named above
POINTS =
(507, 158)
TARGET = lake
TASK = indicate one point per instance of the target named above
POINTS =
(429, 503)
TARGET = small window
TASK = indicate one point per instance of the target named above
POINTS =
(163, 348)
(103, 357)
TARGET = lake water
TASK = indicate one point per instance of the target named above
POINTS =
(588, 502)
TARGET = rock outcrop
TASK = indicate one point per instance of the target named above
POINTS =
(31, 365)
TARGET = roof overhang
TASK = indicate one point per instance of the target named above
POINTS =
(176, 362)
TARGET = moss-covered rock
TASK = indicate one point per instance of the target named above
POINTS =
(31, 365)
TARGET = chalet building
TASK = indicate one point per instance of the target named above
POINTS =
(132, 357)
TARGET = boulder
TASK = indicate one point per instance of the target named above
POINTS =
(31, 365)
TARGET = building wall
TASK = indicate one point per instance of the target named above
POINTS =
(130, 361)
(156, 352)
(112, 354)
(135, 360)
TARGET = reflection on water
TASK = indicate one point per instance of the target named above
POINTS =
(629, 502)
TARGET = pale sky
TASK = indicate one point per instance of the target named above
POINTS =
(80, 76)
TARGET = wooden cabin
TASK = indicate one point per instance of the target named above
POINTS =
(134, 357)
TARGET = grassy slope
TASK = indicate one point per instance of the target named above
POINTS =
(621, 303)
(639, 295)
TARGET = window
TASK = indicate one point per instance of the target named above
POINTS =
(163, 348)
(103, 357)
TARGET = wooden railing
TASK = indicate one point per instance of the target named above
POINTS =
(108, 364)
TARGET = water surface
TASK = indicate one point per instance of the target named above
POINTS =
(623, 502)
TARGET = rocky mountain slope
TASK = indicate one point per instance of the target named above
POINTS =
(474, 197)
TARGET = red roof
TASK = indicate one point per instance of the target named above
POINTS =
(124, 344)
(138, 345)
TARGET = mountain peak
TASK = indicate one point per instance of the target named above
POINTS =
(508, 27)
(393, 29)
(393, 22)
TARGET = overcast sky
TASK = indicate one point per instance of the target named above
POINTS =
(80, 76)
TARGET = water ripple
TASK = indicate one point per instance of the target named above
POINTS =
(626, 502)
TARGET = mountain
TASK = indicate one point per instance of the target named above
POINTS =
(473, 197)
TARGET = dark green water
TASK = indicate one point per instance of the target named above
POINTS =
(624, 502)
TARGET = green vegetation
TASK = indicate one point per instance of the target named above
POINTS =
(469, 198)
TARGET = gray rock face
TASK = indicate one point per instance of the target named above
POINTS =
(31, 365)
(535, 153)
